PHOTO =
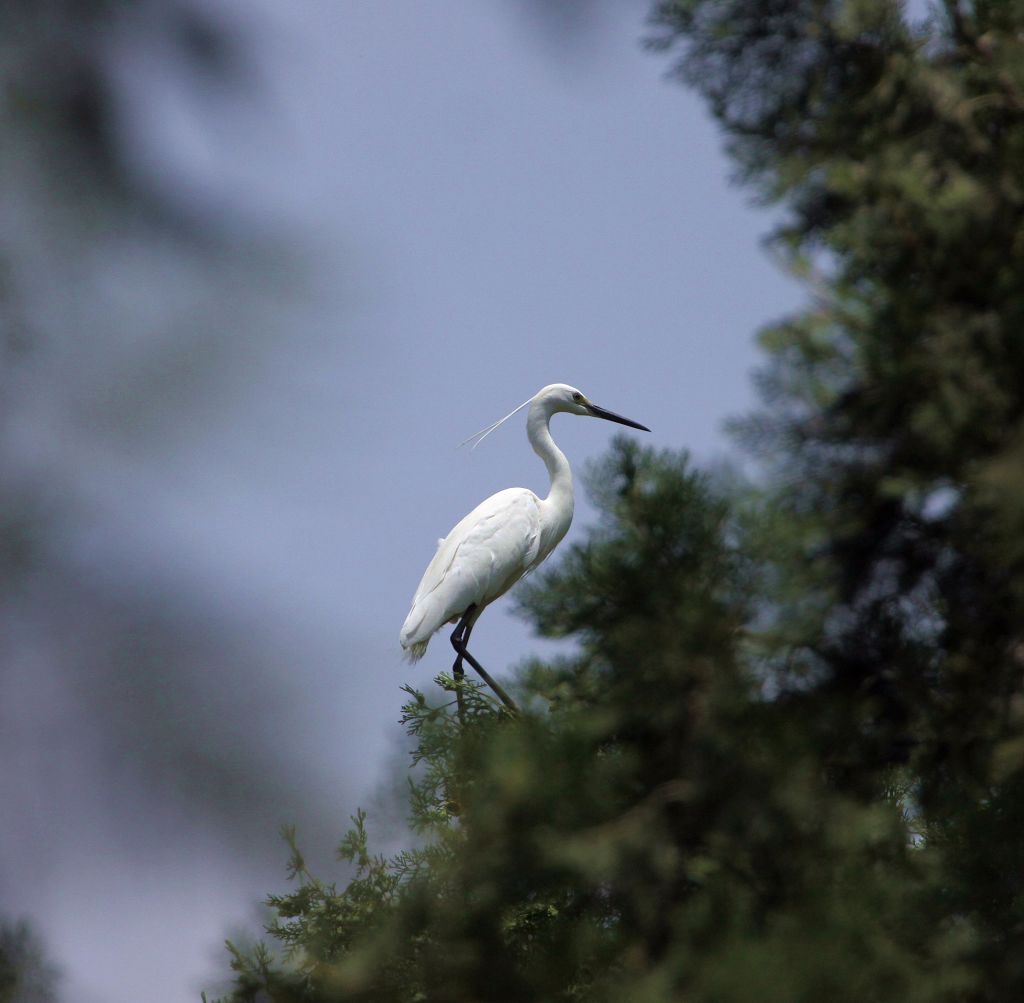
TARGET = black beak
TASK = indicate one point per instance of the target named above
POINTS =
(599, 412)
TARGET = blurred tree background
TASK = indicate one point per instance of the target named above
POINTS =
(122, 292)
(787, 760)
(26, 975)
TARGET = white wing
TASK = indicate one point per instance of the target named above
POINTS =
(479, 560)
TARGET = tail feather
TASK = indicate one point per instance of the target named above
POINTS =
(424, 618)
(414, 652)
(412, 636)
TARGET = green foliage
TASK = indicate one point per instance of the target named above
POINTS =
(786, 761)
(895, 409)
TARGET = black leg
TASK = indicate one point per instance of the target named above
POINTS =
(460, 639)
(457, 670)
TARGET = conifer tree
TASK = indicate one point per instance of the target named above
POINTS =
(787, 759)
(897, 402)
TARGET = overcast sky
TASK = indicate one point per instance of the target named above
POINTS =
(477, 199)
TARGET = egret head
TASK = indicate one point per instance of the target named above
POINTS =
(562, 397)
(554, 398)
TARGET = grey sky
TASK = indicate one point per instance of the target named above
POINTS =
(473, 208)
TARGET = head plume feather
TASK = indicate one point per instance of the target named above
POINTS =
(477, 437)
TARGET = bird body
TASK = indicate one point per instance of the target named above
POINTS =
(478, 561)
(506, 536)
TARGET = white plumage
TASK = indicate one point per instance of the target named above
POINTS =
(478, 561)
(505, 536)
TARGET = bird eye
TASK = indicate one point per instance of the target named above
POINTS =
(578, 397)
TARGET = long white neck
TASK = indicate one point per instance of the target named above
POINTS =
(559, 502)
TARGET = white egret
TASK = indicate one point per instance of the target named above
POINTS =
(501, 540)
